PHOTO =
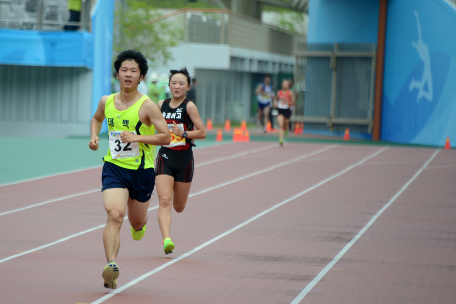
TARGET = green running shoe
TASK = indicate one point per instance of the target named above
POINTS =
(286, 133)
(168, 246)
(138, 234)
(110, 275)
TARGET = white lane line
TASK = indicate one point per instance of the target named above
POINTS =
(185, 255)
(85, 169)
(50, 175)
(152, 208)
(50, 201)
(61, 240)
(236, 155)
(99, 189)
(322, 273)
(441, 167)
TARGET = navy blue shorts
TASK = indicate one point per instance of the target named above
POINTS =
(140, 183)
(261, 106)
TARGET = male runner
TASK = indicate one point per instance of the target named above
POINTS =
(128, 173)
(265, 94)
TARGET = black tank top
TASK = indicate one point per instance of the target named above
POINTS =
(178, 115)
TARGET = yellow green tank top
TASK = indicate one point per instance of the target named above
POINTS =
(74, 5)
(130, 156)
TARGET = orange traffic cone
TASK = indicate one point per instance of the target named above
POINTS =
(301, 127)
(246, 136)
(219, 135)
(268, 127)
(227, 125)
(296, 130)
(447, 144)
(243, 125)
(209, 124)
(347, 134)
(237, 135)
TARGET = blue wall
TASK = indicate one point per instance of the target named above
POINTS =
(347, 21)
(67, 49)
(102, 27)
(419, 94)
(70, 49)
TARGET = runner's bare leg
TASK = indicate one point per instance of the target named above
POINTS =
(115, 203)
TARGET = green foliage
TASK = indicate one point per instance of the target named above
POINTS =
(290, 21)
(138, 26)
(177, 4)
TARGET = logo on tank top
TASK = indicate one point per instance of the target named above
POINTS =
(126, 123)
(111, 122)
(177, 115)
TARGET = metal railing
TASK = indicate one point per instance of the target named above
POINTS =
(224, 27)
(336, 86)
(49, 15)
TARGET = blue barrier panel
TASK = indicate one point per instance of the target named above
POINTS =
(62, 49)
(102, 27)
(419, 94)
(343, 21)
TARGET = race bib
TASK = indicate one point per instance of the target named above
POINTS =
(176, 140)
(282, 104)
(119, 149)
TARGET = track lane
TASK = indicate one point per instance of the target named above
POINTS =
(211, 161)
(407, 256)
(23, 194)
(76, 215)
(256, 265)
(88, 252)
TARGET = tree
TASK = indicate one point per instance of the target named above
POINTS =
(291, 21)
(138, 26)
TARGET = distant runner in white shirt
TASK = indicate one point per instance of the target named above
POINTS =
(265, 95)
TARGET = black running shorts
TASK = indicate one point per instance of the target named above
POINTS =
(285, 112)
(176, 163)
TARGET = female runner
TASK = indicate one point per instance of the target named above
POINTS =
(285, 99)
(174, 169)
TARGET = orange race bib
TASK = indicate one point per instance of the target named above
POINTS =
(176, 140)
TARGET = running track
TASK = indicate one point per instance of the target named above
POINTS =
(306, 223)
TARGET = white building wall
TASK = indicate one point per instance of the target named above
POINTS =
(222, 57)
(45, 101)
(225, 76)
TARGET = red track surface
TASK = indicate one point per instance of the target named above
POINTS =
(406, 256)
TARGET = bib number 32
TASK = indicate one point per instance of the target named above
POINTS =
(119, 149)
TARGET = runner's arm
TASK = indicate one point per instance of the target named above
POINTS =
(200, 132)
(162, 138)
(96, 123)
(259, 89)
(275, 100)
(292, 99)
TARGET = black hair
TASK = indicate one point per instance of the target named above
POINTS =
(134, 55)
(194, 80)
(183, 71)
(267, 76)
